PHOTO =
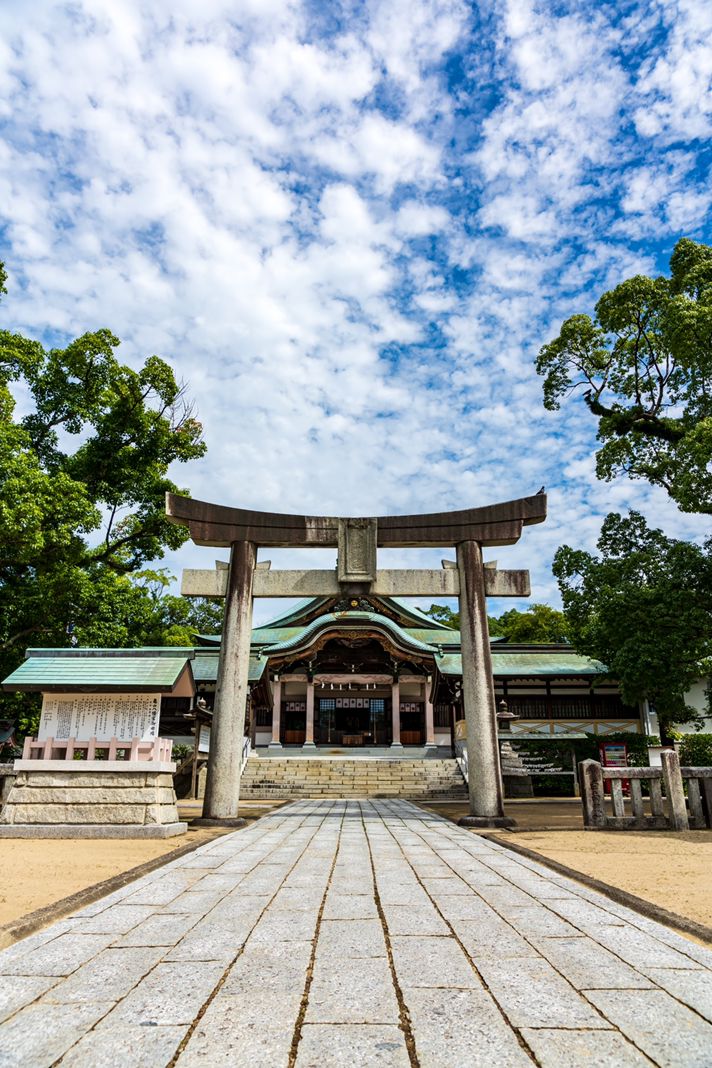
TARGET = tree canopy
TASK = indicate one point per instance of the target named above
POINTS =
(643, 606)
(85, 447)
(539, 623)
(644, 365)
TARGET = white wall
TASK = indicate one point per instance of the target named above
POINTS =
(696, 697)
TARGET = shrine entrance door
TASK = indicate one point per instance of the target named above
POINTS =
(353, 721)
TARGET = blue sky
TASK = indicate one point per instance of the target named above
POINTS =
(350, 227)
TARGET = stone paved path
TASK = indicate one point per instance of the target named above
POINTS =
(355, 933)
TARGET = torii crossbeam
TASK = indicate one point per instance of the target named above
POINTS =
(357, 541)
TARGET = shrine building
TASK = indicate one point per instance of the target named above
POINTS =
(344, 673)
(377, 671)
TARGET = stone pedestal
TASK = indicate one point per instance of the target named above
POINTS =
(102, 799)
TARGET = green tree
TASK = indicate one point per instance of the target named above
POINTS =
(644, 364)
(172, 620)
(83, 477)
(538, 624)
(643, 606)
(442, 614)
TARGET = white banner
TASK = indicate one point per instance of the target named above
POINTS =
(204, 740)
(100, 716)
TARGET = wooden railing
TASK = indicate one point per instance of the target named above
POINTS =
(158, 749)
(683, 813)
(570, 706)
(542, 728)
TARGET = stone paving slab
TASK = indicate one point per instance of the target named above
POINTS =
(355, 933)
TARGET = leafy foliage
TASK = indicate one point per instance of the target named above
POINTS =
(644, 608)
(696, 750)
(645, 366)
(83, 477)
(442, 614)
(538, 624)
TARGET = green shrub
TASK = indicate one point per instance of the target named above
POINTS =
(553, 785)
(696, 750)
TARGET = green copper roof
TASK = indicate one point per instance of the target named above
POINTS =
(296, 612)
(528, 665)
(345, 619)
(449, 639)
(205, 667)
(416, 615)
(87, 670)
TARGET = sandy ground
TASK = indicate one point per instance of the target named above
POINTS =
(36, 873)
(530, 815)
(671, 870)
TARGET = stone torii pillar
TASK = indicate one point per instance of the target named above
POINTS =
(226, 737)
(357, 540)
(485, 785)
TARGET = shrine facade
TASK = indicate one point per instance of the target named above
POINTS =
(375, 671)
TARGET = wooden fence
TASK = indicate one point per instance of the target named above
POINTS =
(669, 808)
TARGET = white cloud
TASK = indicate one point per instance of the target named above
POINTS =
(676, 83)
(350, 261)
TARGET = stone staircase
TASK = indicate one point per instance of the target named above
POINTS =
(432, 780)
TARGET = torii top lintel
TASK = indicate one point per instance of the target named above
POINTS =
(492, 524)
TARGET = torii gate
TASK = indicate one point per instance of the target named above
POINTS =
(356, 540)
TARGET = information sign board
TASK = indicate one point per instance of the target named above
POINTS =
(100, 716)
(204, 739)
(614, 755)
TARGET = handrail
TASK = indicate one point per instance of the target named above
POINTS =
(246, 747)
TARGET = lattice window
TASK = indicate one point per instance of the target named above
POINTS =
(441, 715)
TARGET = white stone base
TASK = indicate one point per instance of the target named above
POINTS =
(91, 830)
(96, 801)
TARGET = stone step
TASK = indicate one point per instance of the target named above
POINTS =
(314, 777)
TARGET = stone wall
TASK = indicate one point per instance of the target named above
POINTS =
(139, 801)
(7, 778)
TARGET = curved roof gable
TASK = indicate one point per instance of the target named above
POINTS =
(345, 620)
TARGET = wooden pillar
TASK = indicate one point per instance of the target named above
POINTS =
(452, 730)
(222, 789)
(395, 713)
(485, 777)
(276, 714)
(253, 721)
(309, 726)
(194, 769)
(429, 717)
